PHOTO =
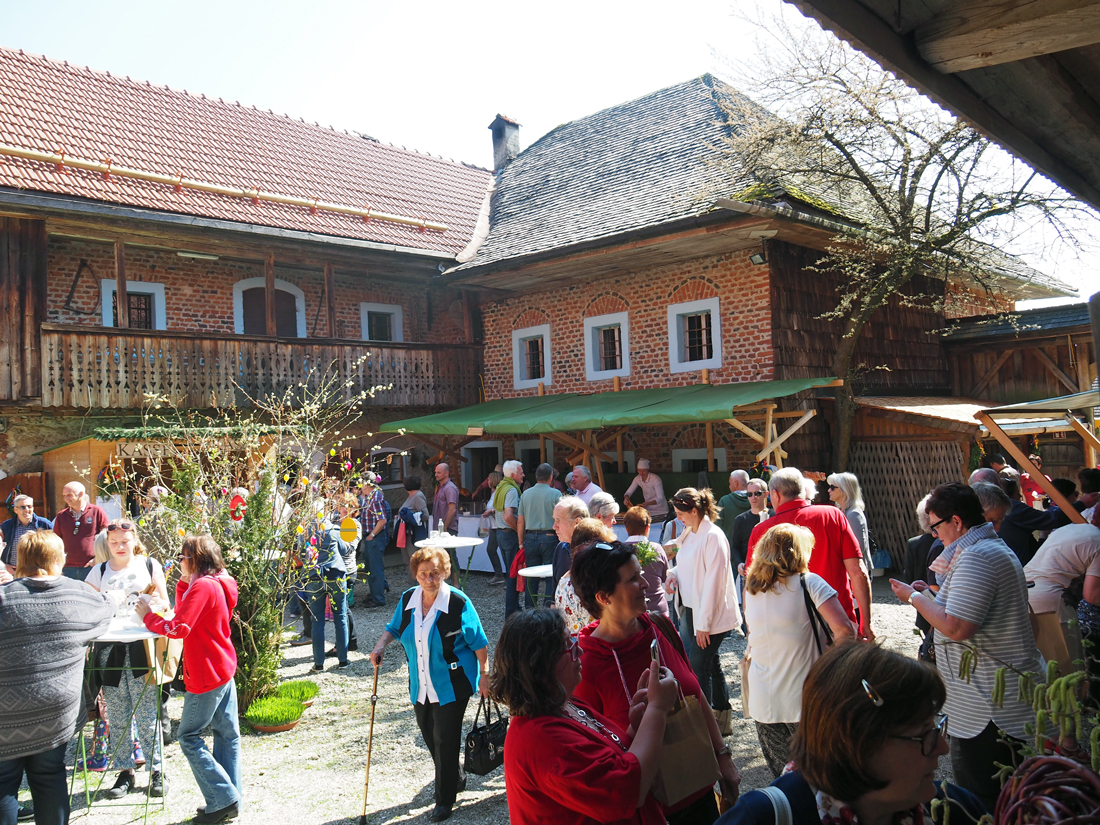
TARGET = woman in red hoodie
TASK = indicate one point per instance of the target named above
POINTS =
(608, 581)
(205, 598)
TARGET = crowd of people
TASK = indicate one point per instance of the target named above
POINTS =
(608, 661)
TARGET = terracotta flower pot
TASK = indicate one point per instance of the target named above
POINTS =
(275, 728)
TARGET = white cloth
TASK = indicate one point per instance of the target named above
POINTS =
(589, 491)
(705, 579)
(1067, 553)
(131, 579)
(422, 630)
(783, 648)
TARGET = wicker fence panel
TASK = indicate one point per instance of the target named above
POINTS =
(894, 476)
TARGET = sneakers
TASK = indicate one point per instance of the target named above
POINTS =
(123, 785)
(497, 580)
(220, 815)
(157, 784)
(26, 813)
(317, 669)
(343, 665)
(301, 640)
(440, 812)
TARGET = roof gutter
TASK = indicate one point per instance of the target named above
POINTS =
(65, 205)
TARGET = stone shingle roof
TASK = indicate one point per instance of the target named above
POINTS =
(51, 106)
(1055, 319)
(640, 164)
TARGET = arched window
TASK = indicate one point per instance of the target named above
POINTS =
(250, 309)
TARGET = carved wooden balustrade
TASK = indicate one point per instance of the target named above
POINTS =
(106, 368)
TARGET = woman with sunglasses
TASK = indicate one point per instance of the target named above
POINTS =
(982, 601)
(867, 749)
(845, 493)
(707, 594)
(122, 667)
(565, 763)
(205, 597)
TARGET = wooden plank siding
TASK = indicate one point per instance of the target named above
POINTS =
(1024, 375)
(105, 368)
(903, 339)
(22, 306)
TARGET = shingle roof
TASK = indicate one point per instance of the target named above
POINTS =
(1025, 322)
(639, 164)
(52, 107)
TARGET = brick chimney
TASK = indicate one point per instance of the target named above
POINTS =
(505, 141)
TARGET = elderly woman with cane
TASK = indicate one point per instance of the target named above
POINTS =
(445, 643)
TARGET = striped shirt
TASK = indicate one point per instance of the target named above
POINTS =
(984, 584)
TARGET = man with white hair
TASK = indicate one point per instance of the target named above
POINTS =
(505, 504)
(734, 503)
(25, 521)
(653, 492)
(583, 486)
(78, 525)
(836, 556)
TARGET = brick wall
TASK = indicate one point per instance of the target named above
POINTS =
(199, 293)
(646, 294)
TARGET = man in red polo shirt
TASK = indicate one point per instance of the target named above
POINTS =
(77, 525)
(836, 556)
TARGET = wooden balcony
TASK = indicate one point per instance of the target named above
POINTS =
(107, 368)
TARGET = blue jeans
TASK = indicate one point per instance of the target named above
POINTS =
(704, 661)
(508, 544)
(539, 548)
(374, 551)
(337, 590)
(46, 778)
(218, 775)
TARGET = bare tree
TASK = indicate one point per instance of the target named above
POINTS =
(911, 189)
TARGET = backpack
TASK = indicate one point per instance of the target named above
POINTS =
(389, 514)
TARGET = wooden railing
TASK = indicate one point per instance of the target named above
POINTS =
(105, 368)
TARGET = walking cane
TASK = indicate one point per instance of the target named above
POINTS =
(370, 740)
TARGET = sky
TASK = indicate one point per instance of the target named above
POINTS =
(429, 75)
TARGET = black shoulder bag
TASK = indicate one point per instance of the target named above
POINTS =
(815, 618)
(485, 743)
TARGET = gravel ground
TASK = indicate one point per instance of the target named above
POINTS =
(314, 773)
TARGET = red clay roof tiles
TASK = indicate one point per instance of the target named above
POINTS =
(52, 107)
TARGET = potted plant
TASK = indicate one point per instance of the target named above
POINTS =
(301, 689)
(273, 714)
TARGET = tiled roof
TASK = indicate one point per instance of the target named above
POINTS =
(639, 164)
(1025, 322)
(52, 107)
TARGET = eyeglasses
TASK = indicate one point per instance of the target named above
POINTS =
(755, 495)
(122, 525)
(573, 648)
(932, 527)
(24, 506)
(833, 487)
(684, 504)
(930, 738)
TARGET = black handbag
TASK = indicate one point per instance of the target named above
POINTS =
(485, 743)
(818, 626)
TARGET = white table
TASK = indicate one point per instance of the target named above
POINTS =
(466, 540)
(124, 630)
(539, 571)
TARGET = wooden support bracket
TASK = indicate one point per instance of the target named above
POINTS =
(981, 385)
(1056, 371)
(787, 433)
(442, 448)
(1089, 438)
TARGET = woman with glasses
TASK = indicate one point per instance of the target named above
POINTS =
(445, 644)
(982, 601)
(707, 594)
(845, 493)
(205, 597)
(783, 639)
(563, 761)
(121, 667)
(867, 749)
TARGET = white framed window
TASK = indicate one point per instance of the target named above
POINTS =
(382, 322)
(531, 357)
(390, 465)
(146, 303)
(481, 457)
(607, 346)
(694, 336)
(692, 461)
(290, 321)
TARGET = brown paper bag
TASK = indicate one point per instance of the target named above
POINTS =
(688, 762)
(163, 655)
(743, 667)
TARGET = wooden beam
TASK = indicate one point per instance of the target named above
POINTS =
(570, 441)
(122, 303)
(601, 441)
(330, 300)
(1056, 371)
(751, 433)
(468, 322)
(270, 327)
(711, 464)
(1084, 382)
(791, 430)
(1026, 466)
(769, 432)
(777, 454)
(442, 448)
(1004, 356)
(1089, 438)
(991, 32)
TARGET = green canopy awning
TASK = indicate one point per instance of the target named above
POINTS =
(566, 412)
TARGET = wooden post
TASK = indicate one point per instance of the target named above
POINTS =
(711, 465)
(597, 465)
(1084, 383)
(468, 317)
(330, 301)
(541, 389)
(704, 377)
(122, 304)
(769, 436)
(1027, 467)
(616, 386)
(269, 296)
(541, 392)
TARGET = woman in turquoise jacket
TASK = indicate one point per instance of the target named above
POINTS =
(448, 661)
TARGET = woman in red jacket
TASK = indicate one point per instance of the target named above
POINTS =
(608, 581)
(205, 598)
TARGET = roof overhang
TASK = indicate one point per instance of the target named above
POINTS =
(1023, 72)
(955, 415)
